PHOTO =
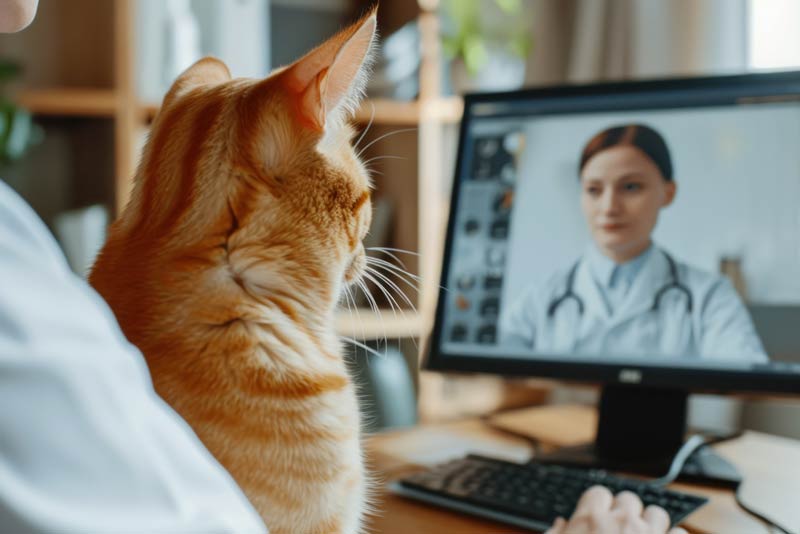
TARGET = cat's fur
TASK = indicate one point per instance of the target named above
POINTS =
(225, 269)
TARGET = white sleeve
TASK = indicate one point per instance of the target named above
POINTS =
(728, 331)
(86, 445)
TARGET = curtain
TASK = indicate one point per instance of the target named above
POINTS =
(591, 40)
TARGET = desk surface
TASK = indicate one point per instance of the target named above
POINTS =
(770, 466)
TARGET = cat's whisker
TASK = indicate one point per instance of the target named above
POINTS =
(371, 171)
(400, 250)
(395, 287)
(363, 346)
(363, 133)
(376, 309)
(378, 158)
(360, 286)
(388, 296)
(374, 306)
(397, 271)
(343, 298)
(392, 301)
(384, 136)
(393, 256)
(346, 298)
(389, 274)
(391, 283)
(358, 315)
(394, 269)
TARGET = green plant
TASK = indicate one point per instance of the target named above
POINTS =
(17, 131)
(469, 36)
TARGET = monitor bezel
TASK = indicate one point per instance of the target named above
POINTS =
(764, 85)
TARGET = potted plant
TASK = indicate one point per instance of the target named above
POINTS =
(17, 131)
(487, 41)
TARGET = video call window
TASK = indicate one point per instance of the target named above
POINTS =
(656, 235)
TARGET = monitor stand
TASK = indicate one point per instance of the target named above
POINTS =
(639, 430)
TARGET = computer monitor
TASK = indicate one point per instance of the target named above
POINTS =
(642, 235)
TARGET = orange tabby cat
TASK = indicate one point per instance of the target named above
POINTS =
(225, 269)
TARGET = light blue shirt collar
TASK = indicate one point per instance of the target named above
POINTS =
(608, 274)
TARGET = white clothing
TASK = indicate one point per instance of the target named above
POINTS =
(614, 280)
(718, 326)
(86, 445)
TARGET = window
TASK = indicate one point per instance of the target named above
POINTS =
(773, 34)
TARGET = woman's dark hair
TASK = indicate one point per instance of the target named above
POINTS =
(640, 136)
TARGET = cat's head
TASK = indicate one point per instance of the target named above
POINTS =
(261, 175)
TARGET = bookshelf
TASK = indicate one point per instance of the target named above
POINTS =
(69, 102)
(446, 109)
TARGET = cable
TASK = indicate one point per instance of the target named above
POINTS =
(694, 443)
(759, 515)
(683, 454)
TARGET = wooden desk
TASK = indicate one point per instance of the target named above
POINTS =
(770, 466)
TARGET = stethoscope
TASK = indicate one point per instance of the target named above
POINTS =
(674, 283)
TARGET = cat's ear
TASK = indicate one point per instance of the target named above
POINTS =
(330, 79)
(205, 71)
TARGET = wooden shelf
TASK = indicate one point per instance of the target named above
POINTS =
(446, 109)
(70, 102)
(367, 325)
(387, 111)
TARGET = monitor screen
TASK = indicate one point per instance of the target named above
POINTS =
(644, 225)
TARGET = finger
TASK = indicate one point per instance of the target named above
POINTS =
(657, 518)
(629, 504)
(595, 499)
(677, 530)
(558, 526)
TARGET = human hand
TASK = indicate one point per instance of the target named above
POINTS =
(599, 512)
(16, 14)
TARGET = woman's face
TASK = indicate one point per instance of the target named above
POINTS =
(622, 192)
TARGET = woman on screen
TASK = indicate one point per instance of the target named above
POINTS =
(626, 295)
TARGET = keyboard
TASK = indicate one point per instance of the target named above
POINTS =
(528, 495)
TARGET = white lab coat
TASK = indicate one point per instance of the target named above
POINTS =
(718, 327)
(86, 445)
